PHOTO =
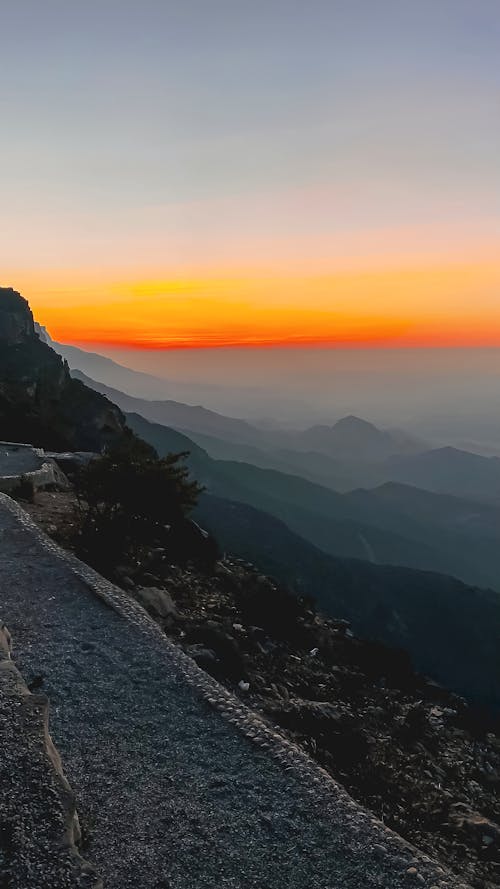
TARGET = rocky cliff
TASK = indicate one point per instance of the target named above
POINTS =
(39, 401)
(16, 320)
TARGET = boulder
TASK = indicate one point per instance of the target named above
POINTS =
(157, 602)
(482, 829)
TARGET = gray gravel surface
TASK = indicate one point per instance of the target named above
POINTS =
(37, 822)
(177, 783)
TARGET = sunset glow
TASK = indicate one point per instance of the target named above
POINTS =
(434, 305)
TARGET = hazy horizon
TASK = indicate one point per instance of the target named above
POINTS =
(447, 394)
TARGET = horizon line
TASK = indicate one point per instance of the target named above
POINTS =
(295, 343)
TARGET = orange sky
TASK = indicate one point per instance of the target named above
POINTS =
(413, 303)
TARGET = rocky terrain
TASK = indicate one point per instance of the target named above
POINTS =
(423, 760)
(39, 401)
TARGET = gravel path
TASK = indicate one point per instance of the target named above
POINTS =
(178, 785)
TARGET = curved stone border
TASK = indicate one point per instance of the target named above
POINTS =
(315, 779)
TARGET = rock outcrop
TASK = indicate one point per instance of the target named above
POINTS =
(39, 401)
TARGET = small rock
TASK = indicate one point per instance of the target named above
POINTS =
(204, 657)
(243, 686)
(149, 579)
(158, 602)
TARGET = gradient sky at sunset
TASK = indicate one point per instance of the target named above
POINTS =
(214, 172)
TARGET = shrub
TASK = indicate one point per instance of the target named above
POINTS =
(130, 501)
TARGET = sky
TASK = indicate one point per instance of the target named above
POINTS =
(276, 173)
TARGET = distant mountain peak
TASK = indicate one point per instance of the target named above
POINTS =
(351, 422)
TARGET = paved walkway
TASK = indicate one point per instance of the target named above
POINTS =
(178, 785)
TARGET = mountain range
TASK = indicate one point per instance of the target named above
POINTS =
(349, 454)
(394, 524)
(382, 557)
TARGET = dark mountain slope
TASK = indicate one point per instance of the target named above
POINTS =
(364, 524)
(450, 630)
(449, 471)
(177, 414)
(169, 441)
(444, 510)
(466, 532)
(315, 467)
(316, 513)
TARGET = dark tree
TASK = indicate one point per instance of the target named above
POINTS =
(130, 501)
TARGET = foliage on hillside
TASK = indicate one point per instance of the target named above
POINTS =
(130, 502)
